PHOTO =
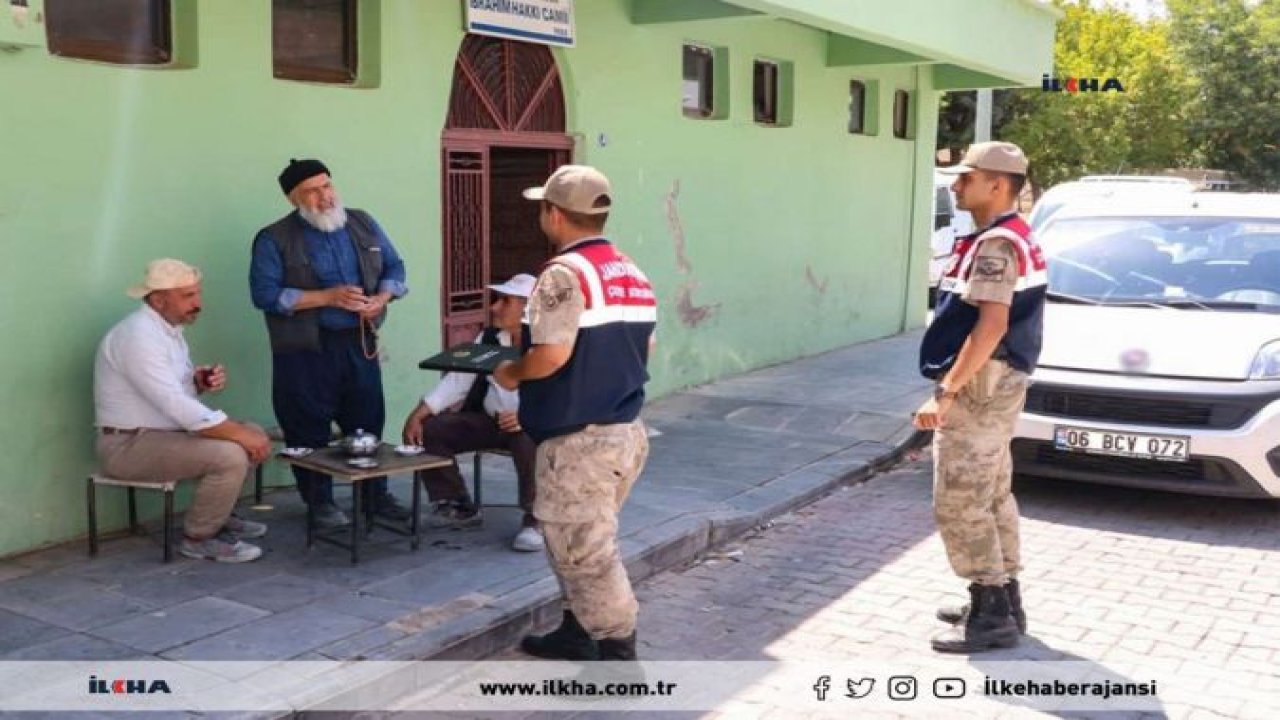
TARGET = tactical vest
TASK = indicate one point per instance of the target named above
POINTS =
(954, 319)
(300, 332)
(603, 381)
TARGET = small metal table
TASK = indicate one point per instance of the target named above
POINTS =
(332, 461)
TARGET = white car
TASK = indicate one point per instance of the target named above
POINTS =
(949, 223)
(1161, 360)
(1137, 180)
(1103, 188)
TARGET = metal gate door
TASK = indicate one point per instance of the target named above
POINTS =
(505, 93)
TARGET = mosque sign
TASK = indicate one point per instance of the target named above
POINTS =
(548, 22)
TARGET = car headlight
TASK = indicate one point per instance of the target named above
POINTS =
(1266, 366)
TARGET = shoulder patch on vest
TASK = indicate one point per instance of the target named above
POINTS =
(990, 269)
(553, 296)
(555, 286)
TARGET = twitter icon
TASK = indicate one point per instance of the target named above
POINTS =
(861, 688)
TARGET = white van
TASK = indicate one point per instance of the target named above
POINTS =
(948, 224)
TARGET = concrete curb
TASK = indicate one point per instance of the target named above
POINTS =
(502, 620)
(655, 549)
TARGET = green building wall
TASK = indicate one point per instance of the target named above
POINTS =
(765, 244)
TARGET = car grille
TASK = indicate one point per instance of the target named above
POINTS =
(1194, 470)
(1181, 411)
(1206, 475)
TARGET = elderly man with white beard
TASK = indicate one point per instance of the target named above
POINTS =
(323, 276)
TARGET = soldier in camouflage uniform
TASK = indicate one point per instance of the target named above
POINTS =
(983, 344)
(588, 327)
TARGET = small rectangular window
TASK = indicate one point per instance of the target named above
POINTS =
(128, 32)
(901, 114)
(765, 92)
(699, 91)
(857, 107)
(314, 40)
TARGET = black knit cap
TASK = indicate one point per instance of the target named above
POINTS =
(298, 171)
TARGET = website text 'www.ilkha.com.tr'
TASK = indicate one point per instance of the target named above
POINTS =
(570, 688)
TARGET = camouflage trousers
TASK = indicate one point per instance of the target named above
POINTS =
(582, 481)
(973, 475)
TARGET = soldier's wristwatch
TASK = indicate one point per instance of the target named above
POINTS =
(940, 391)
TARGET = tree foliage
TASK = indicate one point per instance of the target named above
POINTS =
(957, 113)
(1072, 134)
(1202, 89)
(1231, 49)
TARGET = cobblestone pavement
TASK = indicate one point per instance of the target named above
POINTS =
(1112, 576)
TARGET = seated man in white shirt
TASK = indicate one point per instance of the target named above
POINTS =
(485, 420)
(153, 428)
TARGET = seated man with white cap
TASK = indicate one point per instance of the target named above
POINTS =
(485, 420)
(153, 428)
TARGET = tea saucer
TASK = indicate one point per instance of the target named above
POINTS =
(297, 452)
(409, 450)
(362, 462)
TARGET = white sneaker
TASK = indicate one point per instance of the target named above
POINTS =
(222, 548)
(529, 539)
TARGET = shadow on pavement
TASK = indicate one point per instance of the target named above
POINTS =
(1251, 522)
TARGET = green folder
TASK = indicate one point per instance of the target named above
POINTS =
(470, 358)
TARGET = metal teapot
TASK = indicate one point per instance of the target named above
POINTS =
(359, 444)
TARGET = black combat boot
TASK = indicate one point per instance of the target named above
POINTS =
(567, 642)
(989, 624)
(956, 615)
(623, 648)
(624, 669)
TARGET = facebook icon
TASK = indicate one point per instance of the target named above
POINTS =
(822, 686)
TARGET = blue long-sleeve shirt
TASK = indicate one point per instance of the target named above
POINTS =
(333, 257)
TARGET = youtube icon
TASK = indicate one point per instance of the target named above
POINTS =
(948, 688)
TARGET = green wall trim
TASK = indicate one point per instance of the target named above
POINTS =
(871, 124)
(844, 51)
(919, 249)
(186, 35)
(953, 77)
(369, 32)
(1020, 32)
